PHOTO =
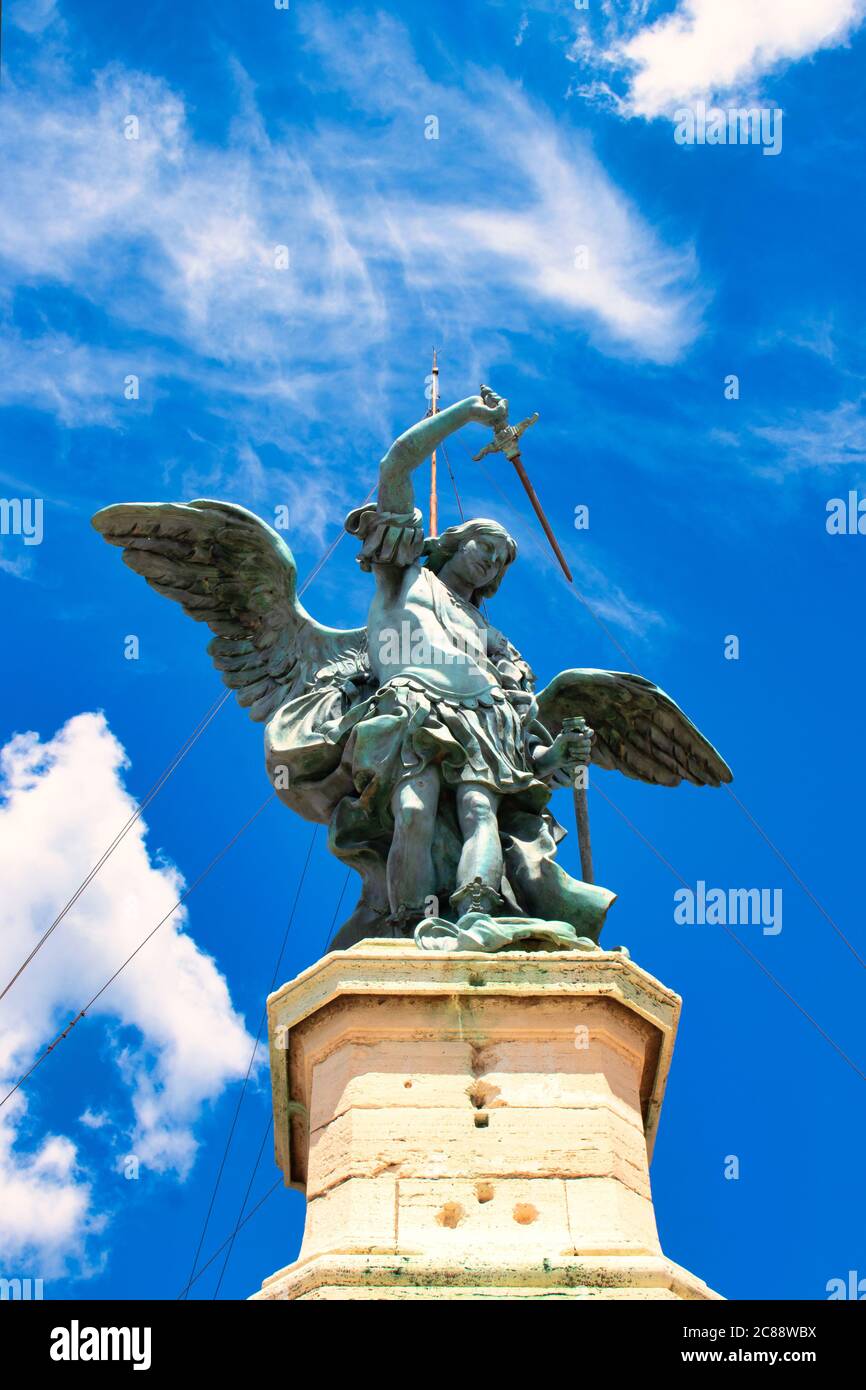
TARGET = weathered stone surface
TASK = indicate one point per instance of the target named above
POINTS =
(373, 1075)
(439, 1143)
(356, 1217)
(512, 1216)
(513, 1277)
(605, 1216)
(472, 1127)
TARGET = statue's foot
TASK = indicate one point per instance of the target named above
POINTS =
(477, 896)
(479, 931)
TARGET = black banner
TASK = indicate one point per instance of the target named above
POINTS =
(64, 1338)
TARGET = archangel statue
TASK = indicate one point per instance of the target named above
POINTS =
(420, 740)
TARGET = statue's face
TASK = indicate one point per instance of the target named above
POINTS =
(480, 560)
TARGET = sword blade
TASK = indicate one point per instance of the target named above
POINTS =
(539, 512)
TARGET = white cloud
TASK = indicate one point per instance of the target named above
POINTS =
(714, 48)
(182, 1040)
(94, 1119)
(45, 1204)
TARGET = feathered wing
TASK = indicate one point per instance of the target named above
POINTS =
(639, 730)
(228, 568)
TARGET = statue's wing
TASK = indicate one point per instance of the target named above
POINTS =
(639, 730)
(229, 569)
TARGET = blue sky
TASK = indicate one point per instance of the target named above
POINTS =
(154, 257)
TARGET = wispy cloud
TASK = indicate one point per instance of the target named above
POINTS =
(33, 16)
(79, 383)
(173, 237)
(180, 242)
(595, 588)
(820, 440)
(515, 215)
(506, 220)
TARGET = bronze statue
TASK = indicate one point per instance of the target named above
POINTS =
(419, 739)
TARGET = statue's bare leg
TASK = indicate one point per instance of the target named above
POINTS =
(410, 860)
(481, 857)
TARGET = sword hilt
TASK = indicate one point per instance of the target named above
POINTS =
(506, 440)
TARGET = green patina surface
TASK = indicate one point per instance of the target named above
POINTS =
(420, 739)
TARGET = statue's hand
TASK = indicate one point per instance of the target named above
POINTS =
(573, 748)
(490, 409)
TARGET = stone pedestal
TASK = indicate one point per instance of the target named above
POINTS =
(472, 1126)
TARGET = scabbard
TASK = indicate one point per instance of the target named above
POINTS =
(581, 815)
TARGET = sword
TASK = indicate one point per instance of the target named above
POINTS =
(581, 809)
(506, 440)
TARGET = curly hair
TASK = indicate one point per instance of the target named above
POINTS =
(439, 549)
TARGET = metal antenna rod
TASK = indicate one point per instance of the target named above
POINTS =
(434, 409)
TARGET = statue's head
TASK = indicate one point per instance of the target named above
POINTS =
(478, 552)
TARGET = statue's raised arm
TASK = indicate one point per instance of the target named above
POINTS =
(417, 444)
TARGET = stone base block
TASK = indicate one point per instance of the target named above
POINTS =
(473, 1126)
